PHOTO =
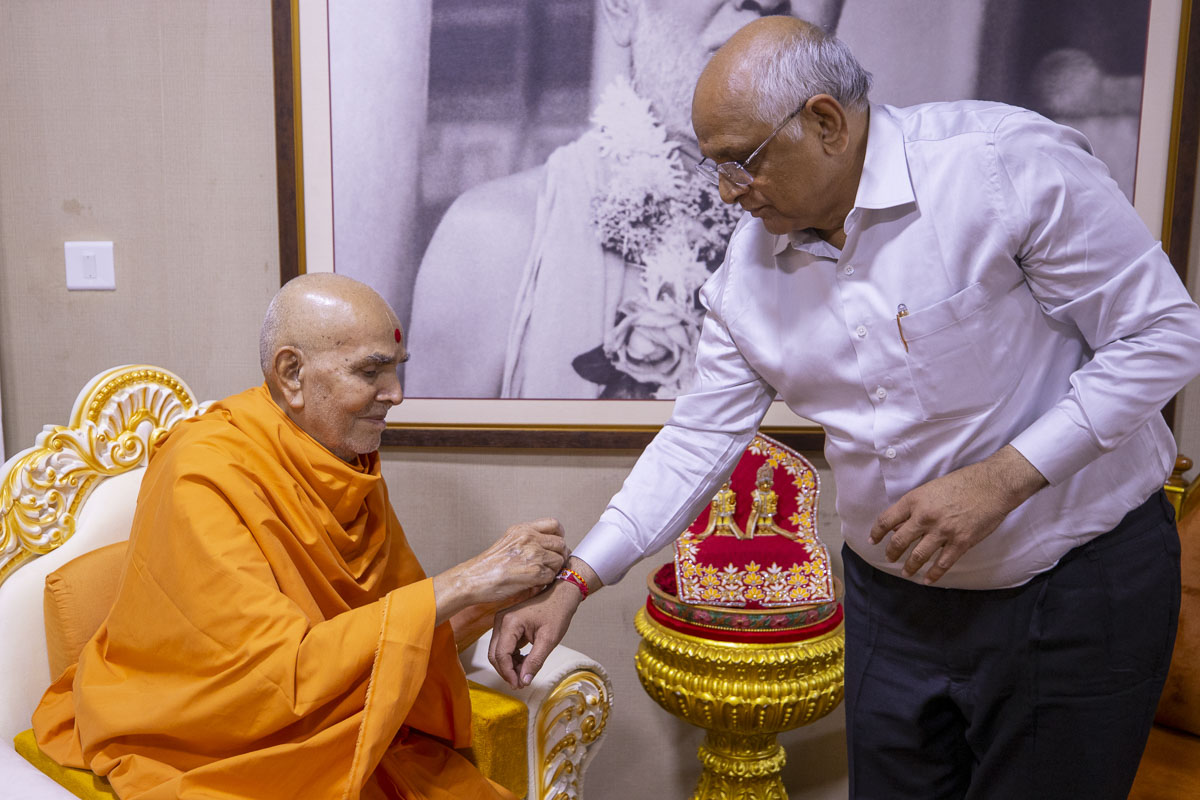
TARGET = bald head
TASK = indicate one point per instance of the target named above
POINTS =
(314, 311)
(733, 64)
(772, 64)
(670, 41)
(329, 348)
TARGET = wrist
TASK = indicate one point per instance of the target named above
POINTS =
(585, 571)
(1019, 479)
(573, 577)
(566, 592)
(449, 594)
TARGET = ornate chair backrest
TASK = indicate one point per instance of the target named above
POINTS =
(73, 491)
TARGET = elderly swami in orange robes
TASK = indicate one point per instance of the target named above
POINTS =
(274, 635)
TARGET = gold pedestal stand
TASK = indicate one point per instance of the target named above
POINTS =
(743, 694)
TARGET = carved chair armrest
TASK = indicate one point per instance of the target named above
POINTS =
(569, 702)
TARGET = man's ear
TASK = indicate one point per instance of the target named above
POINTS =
(621, 16)
(833, 123)
(288, 365)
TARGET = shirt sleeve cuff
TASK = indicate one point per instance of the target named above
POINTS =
(608, 551)
(1057, 446)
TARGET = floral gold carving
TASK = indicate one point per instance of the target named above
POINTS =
(743, 695)
(117, 420)
(570, 719)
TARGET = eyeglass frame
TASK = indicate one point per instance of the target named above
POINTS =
(736, 172)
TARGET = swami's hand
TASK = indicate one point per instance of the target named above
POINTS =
(527, 556)
(955, 512)
(476, 620)
(541, 621)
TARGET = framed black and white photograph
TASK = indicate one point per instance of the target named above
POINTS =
(515, 176)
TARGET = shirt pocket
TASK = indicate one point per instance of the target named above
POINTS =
(961, 350)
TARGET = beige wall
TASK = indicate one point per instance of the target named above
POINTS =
(150, 124)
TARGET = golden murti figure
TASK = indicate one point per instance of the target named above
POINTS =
(742, 633)
(765, 503)
(720, 516)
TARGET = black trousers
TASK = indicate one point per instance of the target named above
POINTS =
(1045, 691)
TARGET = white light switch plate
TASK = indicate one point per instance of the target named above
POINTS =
(90, 265)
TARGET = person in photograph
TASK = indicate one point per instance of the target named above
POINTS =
(965, 301)
(1083, 68)
(578, 278)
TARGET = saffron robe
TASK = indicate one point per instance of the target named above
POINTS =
(273, 635)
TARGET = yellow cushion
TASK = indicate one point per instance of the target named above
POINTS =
(499, 724)
(77, 598)
(79, 782)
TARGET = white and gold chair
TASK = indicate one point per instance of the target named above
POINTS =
(74, 492)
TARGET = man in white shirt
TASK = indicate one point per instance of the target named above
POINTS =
(965, 301)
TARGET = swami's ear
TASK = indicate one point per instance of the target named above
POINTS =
(621, 16)
(286, 368)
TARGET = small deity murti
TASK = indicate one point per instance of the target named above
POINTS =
(720, 515)
(765, 502)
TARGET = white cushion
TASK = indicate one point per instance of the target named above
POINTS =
(20, 780)
(105, 518)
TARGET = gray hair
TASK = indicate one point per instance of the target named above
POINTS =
(268, 335)
(804, 64)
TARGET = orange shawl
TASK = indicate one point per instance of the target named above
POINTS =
(273, 636)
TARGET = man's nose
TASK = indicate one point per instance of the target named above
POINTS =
(730, 191)
(764, 8)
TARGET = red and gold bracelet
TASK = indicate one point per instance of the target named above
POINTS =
(571, 576)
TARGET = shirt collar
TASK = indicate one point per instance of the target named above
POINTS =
(807, 241)
(885, 182)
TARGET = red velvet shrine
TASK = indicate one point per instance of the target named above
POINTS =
(756, 545)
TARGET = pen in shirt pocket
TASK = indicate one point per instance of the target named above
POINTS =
(901, 312)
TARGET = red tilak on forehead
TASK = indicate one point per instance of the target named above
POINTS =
(397, 334)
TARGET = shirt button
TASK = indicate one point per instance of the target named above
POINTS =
(861, 330)
(890, 452)
(849, 270)
(880, 392)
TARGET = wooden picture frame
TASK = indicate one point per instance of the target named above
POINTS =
(1163, 194)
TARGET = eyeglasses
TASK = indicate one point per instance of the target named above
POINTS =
(735, 171)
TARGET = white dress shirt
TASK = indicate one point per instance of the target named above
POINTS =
(1040, 313)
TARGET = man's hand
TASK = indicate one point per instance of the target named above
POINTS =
(543, 620)
(527, 556)
(955, 512)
